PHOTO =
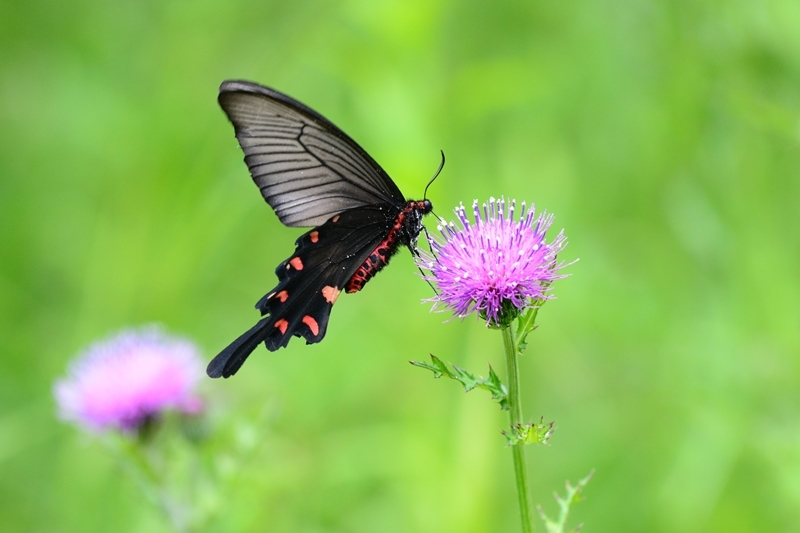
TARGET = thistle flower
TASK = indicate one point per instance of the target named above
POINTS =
(496, 266)
(128, 378)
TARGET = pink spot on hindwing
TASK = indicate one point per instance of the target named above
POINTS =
(309, 321)
(330, 293)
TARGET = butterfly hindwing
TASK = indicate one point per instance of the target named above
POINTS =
(308, 170)
(309, 282)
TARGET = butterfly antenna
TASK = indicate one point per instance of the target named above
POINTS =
(436, 175)
(427, 235)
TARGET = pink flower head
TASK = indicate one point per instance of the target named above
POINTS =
(496, 266)
(129, 377)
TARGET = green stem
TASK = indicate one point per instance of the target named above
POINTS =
(515, 416)
(134, 460)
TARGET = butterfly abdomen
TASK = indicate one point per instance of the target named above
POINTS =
(378, 259)
(404, 231)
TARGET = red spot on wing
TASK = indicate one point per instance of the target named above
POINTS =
(314, 236)
(282, 296)
(335, 219)
(282, 324)
(309, 321)
(297, 263)
(330, 293)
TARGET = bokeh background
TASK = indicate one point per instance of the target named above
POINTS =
(664, 136)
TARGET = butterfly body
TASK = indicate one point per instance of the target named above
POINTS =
(313, 174)
(404, 231)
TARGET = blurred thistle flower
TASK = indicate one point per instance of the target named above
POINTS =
(497, 267)
(127, 379)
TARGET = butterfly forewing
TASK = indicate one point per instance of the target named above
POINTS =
(307, 169)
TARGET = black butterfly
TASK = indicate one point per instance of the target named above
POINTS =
(313, 174)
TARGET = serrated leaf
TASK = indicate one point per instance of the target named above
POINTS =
(469, 380)
(532, 433)
(526, 324)
(573, 495)
(498, 390)
(438, 367)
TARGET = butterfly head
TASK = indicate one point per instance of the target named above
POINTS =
(411, 220)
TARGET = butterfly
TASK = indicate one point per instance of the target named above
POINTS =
(313, 175)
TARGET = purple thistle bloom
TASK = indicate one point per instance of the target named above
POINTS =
(497, 267)
(126, 379)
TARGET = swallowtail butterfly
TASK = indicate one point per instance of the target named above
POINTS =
(313, 174)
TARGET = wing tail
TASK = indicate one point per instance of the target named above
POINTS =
(231, 358)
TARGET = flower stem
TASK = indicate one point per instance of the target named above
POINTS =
(134, 460)
(515, 416)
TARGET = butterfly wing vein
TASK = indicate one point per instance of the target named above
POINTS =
(307, 169)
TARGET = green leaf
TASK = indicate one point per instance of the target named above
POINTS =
(438, 367)
(469, 380)
(573, 495)
(526, 324)
(498, 390)
(532, 433)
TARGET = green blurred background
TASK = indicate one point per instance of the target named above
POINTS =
(664, 135)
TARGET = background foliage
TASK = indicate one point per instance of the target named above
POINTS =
(664, 135)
